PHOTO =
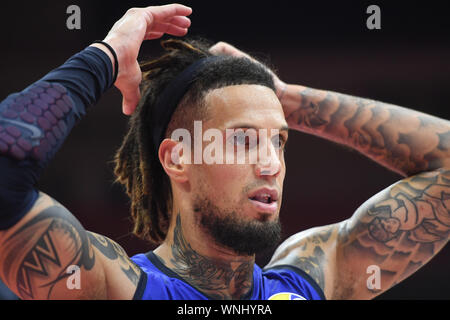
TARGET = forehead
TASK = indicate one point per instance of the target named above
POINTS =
(252, 105)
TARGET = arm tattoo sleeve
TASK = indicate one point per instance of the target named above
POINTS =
(310, 251)
(399, 229)
(312, 258)
(403, 140)
(112, 251)
(35, 257)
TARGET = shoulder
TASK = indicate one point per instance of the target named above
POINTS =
(287, 282)
(312, 253)
(49, 255)
(157, 282)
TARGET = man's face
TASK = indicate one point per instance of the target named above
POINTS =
(239, 203)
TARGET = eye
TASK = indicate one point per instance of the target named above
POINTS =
(279, 142)
(247, 139)
(240, 138)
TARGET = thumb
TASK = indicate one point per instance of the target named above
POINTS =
(128, 83)
(130, 100)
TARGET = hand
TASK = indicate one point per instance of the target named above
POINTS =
(127, 35)
(223, 48)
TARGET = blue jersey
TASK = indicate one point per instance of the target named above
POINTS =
(277, 283)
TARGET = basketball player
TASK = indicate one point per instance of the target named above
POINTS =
(210, 219)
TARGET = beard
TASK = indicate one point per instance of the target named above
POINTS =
(245, 237)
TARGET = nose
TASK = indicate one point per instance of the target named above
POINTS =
(269, 163)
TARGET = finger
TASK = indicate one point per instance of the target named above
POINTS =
(219, 47)
(170, 10)
(179, 21)
(130, 101)
(168, 28)
(153, 35)
(129, 87)
(227, 49)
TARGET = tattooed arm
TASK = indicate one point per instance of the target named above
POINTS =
(37, 252)
(403, 140)
(399, 229)
(39, 245)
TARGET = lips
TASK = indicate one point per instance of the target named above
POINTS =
(265, 199)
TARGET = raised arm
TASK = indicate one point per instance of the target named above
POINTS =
(399, 229)
(403, 140)
(41, 242)
(395, 233)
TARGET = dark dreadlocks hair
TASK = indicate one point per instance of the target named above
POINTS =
(137, 165)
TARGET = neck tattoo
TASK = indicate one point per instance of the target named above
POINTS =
(215, 278)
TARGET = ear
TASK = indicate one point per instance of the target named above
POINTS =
(171, 157)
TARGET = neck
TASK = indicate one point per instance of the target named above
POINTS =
(214, 271)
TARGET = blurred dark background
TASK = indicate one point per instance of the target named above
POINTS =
(320, 44)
